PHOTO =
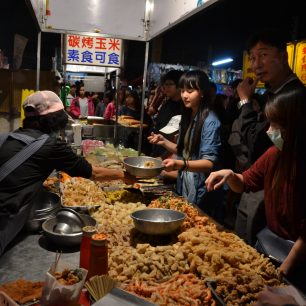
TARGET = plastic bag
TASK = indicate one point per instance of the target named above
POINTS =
(57, 294)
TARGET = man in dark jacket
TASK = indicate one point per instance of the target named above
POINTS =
(269, 61)
(171, 107)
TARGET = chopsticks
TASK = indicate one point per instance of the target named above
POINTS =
(57, 258)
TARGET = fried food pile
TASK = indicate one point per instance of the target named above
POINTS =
(149, 164)
(51, 184)
(23, 291)
(128, 121)
(183, 289)
(144, 265)
(69, 277)
(78, 191)
(178, 203)
(122, 196)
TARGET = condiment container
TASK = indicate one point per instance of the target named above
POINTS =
(87, 231)
(98, 264)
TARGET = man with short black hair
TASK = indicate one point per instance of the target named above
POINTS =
(171, 107)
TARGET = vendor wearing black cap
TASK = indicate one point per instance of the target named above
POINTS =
(29, 155)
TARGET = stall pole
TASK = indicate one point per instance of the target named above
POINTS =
(38, 60)
(144, 85)
(63, 66)
(116, 136)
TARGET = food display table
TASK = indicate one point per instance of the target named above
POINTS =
(150, 265)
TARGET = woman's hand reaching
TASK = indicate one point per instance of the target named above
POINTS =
(272, 297)
(218, 179)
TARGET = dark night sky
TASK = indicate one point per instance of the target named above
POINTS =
(220, 30)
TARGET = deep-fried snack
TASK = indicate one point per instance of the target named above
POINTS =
(69, 277)
(23, 291)
(149, 164)
(182, 289)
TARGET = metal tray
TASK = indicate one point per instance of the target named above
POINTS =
(123, 298)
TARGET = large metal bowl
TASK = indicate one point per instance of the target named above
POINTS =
(143, 166)
(66, 240)
(157, 221)
(45, 205)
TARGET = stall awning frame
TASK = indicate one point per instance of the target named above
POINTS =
(139, 20)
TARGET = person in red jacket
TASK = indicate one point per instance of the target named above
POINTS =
(281, 173)
(110, 110)
(82, 106)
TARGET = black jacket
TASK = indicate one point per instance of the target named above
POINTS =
(253, 130)
(20, 186)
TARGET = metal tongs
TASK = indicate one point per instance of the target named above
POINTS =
(212, 284)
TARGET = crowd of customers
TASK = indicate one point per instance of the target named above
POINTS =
(258, 141)
(197, 131)
(245, 150)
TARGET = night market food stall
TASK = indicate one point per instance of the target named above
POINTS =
(180, 268)
(200, 263)
(146, 20)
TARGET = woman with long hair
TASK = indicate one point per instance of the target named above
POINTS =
(199, 145)
(281, 173)
(132, 105)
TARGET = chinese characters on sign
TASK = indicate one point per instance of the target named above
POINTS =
(93, 50)
(300, 61)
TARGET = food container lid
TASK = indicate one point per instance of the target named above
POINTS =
(99, 239)
(89, 230)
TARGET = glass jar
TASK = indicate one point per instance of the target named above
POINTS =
(88, 231)
(98, 264)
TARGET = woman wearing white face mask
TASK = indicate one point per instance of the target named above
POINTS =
(275, 134)
(281, 172)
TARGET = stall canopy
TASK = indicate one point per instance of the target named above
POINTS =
(127, 19)
(139, 20)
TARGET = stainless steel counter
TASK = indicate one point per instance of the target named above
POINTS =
(30, 256)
